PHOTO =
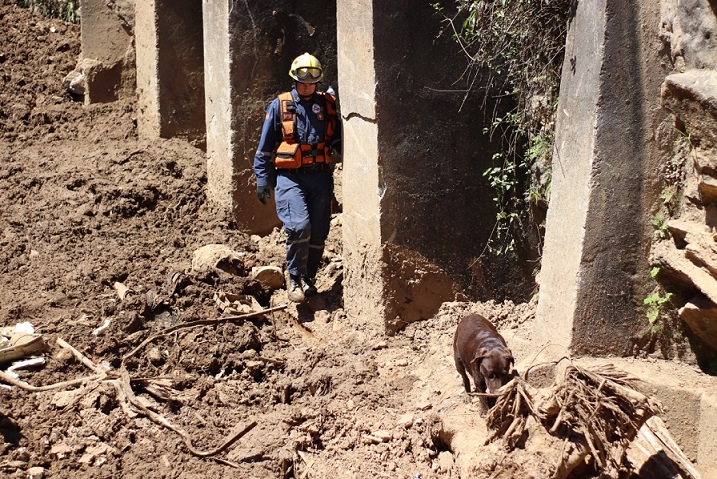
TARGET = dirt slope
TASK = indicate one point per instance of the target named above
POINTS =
(86, 205)
(87, 208)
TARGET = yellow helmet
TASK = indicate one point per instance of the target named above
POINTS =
(306, 69)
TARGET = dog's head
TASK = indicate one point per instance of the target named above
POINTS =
(495, 366)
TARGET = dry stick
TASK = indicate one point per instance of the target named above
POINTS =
(122, 384)
(80, 357)
(161, 420)
(200, 322)
(36, 389)
(226, 463)
(61, 385)
(563, 408)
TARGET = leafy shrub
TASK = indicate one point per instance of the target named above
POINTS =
(520, 45)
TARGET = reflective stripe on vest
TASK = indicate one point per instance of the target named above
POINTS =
(290, 154)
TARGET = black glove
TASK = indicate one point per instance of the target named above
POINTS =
(263, 192)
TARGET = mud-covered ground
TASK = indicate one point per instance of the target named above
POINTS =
(86, 207)
(98, 231)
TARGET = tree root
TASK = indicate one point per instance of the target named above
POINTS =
(200, 322)
(121, 381)
(597, 412)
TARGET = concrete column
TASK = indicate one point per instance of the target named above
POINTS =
(107, 58)
(149, 121)
(595, 269)
(218, 101)
(364, 286)
(234, 110)
(248, 50)
(170, 70)
(410, 194)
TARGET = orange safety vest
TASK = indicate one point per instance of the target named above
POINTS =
(290, 154)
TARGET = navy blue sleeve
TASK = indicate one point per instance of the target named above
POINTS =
(271, 136)
(336, 140)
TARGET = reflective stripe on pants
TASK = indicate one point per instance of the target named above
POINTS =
(303, 204)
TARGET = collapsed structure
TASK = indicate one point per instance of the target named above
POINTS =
(417, 213)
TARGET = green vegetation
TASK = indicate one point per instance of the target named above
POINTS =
(67, 10)
(654, 304)
(660, 225)
(518, 46)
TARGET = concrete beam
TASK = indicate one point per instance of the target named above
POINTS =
(170, 70)
(108, 56)
(409, 195)
(604, 182)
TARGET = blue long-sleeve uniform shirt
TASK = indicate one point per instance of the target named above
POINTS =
(309, 130)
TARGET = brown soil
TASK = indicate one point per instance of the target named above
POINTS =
(86, 205)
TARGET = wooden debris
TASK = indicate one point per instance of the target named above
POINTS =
(21, 345)
(600, 412)
(508, 417)
(603, 422)
(200, 322)
(125, 394)
(655, 453)
(124, 384)
(121, 381)
(6, 378)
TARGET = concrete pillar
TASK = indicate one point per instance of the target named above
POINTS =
(410, 194)
(170, 70)
(707, 423)
(248, 50)
(595, 270)
(108, 58)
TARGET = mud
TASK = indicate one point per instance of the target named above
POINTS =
(97, 234)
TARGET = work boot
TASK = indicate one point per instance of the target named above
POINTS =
(307, 285)
(294, 289)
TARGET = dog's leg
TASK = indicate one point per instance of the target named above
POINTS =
(462, 371)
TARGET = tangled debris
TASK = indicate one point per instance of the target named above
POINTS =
(121, 381)
(597, 415)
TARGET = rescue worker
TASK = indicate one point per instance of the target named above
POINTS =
(300, 129)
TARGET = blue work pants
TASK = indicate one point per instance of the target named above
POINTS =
(303, 203)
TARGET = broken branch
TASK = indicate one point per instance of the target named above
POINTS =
(124, 382)
(61, 385)
(200, 322)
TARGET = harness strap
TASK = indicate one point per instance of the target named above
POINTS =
(291, 154)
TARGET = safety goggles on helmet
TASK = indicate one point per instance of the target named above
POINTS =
(310, 73)
(306, 68)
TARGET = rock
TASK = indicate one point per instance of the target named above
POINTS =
(74, 82)
(405, 420)
(371, 439)
(445, 462)
(708, 189)
(218, 256)
(679, 269)
(155, 356)
(60, 451)
(36, 472)
(700, 314)
(384, 435)
(271, 276)
(693, 94)
(67, 398)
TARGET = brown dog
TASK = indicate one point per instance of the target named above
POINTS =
(479, 349)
